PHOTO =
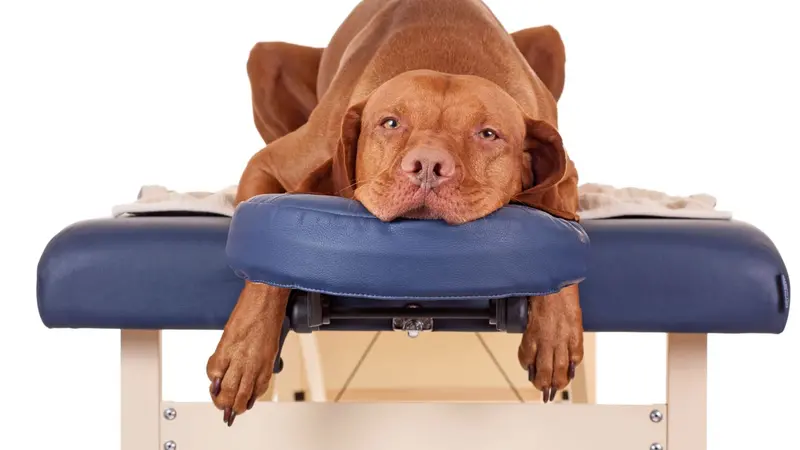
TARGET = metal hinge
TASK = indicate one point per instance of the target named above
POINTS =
(413, 326)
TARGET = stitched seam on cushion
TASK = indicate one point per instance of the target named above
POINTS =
(332, 213)
(337, 213)
(418, 297)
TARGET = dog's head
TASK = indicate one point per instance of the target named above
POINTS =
(428, 145)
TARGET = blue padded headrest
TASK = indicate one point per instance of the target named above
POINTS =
(334, 245)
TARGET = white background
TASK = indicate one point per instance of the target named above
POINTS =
(98, 98)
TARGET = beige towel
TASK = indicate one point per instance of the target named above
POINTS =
(597, 201)
(153, 198)
(601, 201)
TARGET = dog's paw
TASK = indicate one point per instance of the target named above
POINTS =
(552, 345)
(240, 371)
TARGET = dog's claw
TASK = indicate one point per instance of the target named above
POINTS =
(531, 372)
(251, 402)
(226, 415)
(230, 420)
(545, 395)
(553, 391)
(216, 386)
(571, 371)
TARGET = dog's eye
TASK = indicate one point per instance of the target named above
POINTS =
(488, 134)
(390, 123)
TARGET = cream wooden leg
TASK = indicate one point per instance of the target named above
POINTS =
(273, 393)
(686, 391)
(583, 387)
(312, 364)
(140, 388)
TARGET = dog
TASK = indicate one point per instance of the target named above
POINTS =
(419, 109)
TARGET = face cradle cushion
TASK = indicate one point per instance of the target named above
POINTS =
(335, 246)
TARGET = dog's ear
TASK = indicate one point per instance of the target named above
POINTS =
(343, 168)
(549, 179)
(544, 50)
(336, 176)
(283, 85)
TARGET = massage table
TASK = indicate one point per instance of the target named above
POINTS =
(146, 273)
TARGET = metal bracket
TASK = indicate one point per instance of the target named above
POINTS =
(412, 325)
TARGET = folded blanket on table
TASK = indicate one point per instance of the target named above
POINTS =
(155, 199)
(601, 201)
(597, 201)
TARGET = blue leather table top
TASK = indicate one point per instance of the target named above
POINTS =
(645, 275)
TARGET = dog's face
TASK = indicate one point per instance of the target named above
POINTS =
(436, 146)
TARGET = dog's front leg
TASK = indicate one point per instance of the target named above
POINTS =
(241, 366)
(552, 345)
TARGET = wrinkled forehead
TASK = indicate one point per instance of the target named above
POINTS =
(425, 96)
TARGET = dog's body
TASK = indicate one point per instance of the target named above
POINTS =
(421, 109)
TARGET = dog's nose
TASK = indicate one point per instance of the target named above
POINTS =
(428, 166)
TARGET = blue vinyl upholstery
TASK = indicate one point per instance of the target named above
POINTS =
(335, 246)
(646, 275)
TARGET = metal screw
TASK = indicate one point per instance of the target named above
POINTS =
(171, 445)
(170, 413)
(656, 416)
(656, 446)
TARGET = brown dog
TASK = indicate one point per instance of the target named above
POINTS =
(422, 109)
